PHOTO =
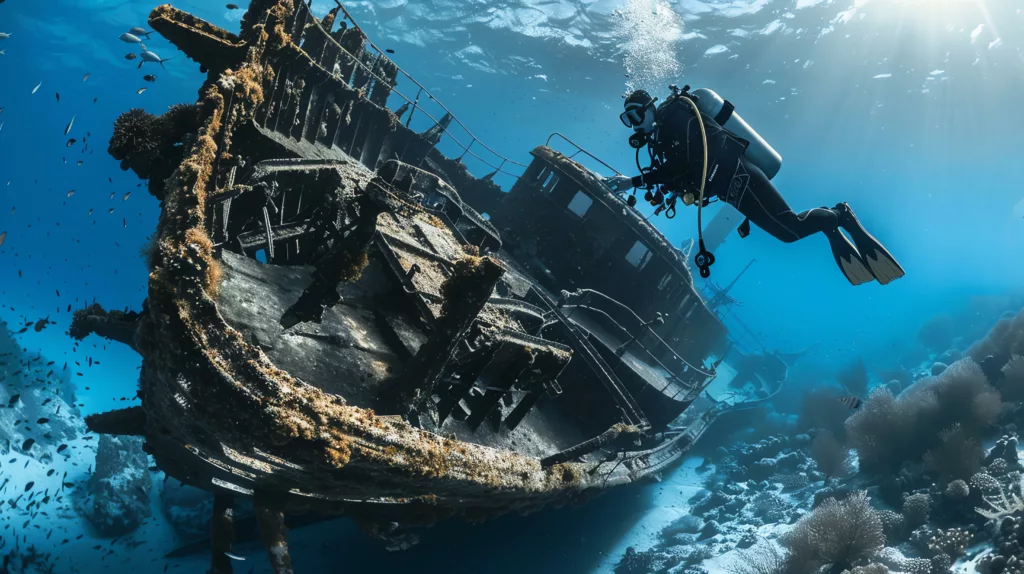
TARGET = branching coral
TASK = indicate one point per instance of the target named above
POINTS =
(765, 558)
(958, 456)
(836, 534)
(889, 431)
(1001, 504)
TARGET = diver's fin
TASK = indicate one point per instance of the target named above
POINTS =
(882, 264)
(849, 259)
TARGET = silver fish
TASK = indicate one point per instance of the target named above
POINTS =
(140, 91)
(4, 35)
(140, 32)
(234, 556)
(36, 89)
(148, 56)
(71, 123)
(130, 38)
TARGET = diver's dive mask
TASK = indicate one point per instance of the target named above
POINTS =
(639, 116)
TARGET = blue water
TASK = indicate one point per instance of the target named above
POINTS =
(908, 109)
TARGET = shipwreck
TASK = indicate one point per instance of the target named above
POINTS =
(342, 319)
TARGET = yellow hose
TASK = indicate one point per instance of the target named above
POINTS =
(704, 175)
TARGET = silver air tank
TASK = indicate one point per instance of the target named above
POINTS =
(759, 153)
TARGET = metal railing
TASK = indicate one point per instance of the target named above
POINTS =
(579, 150)
(495, 161)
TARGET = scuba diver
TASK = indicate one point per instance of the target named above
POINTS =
(700, 150)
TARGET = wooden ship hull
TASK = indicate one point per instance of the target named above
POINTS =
(334, 326)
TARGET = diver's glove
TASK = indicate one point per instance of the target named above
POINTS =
(619, 183)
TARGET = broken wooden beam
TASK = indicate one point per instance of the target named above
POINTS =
(465, 294)
(130, 422)
(117, 326)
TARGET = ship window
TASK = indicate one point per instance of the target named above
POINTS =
(486, 216)
(549, 182)
(580, 203)
(638, 255)
(665, 281)
(261, 256)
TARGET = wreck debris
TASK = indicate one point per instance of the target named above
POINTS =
(317, 259)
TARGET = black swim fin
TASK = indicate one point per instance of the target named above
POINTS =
(848, 258)
(882, 264)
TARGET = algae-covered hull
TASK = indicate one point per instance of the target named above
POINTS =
(335, 325)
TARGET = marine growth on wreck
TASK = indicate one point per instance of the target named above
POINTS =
(401, 271)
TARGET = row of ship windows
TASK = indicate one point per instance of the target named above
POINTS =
(638, 255)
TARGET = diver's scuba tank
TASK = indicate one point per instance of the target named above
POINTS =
(759, 152)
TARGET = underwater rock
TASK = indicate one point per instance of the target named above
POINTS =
(116, 498)
(634, 562)
(791, 461)
(1005, 449)
(938, 368)
(687, 524)
(763, 469)
(187, 509)
(710, 530)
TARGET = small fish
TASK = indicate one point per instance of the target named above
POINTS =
(62, 448)
(86, 77)
(130, 38)
(852, 403)
(67, 130)
(140, 32)
(42, 421)
(13, 401)
(111, 210)
(389, 51)
(141, 91)
(36, 89)
(41, 324)
(79, 162)
(130, 56)
(234, 556)
(148, 56)
(3, 237)
(112, 193)
(126, 196)
(70, 143)
(233, 7)
(29, 484)
(4, 35)
(149, 78)
(28, 443)
(58, 97)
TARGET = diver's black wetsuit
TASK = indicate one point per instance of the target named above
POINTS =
(677, 158)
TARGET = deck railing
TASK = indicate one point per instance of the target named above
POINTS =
(423, 105)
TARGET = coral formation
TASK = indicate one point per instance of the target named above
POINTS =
(957, 457)
(836, 534)
(889, 431)
(916, 509)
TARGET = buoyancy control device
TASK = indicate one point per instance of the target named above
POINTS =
(759, 152)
